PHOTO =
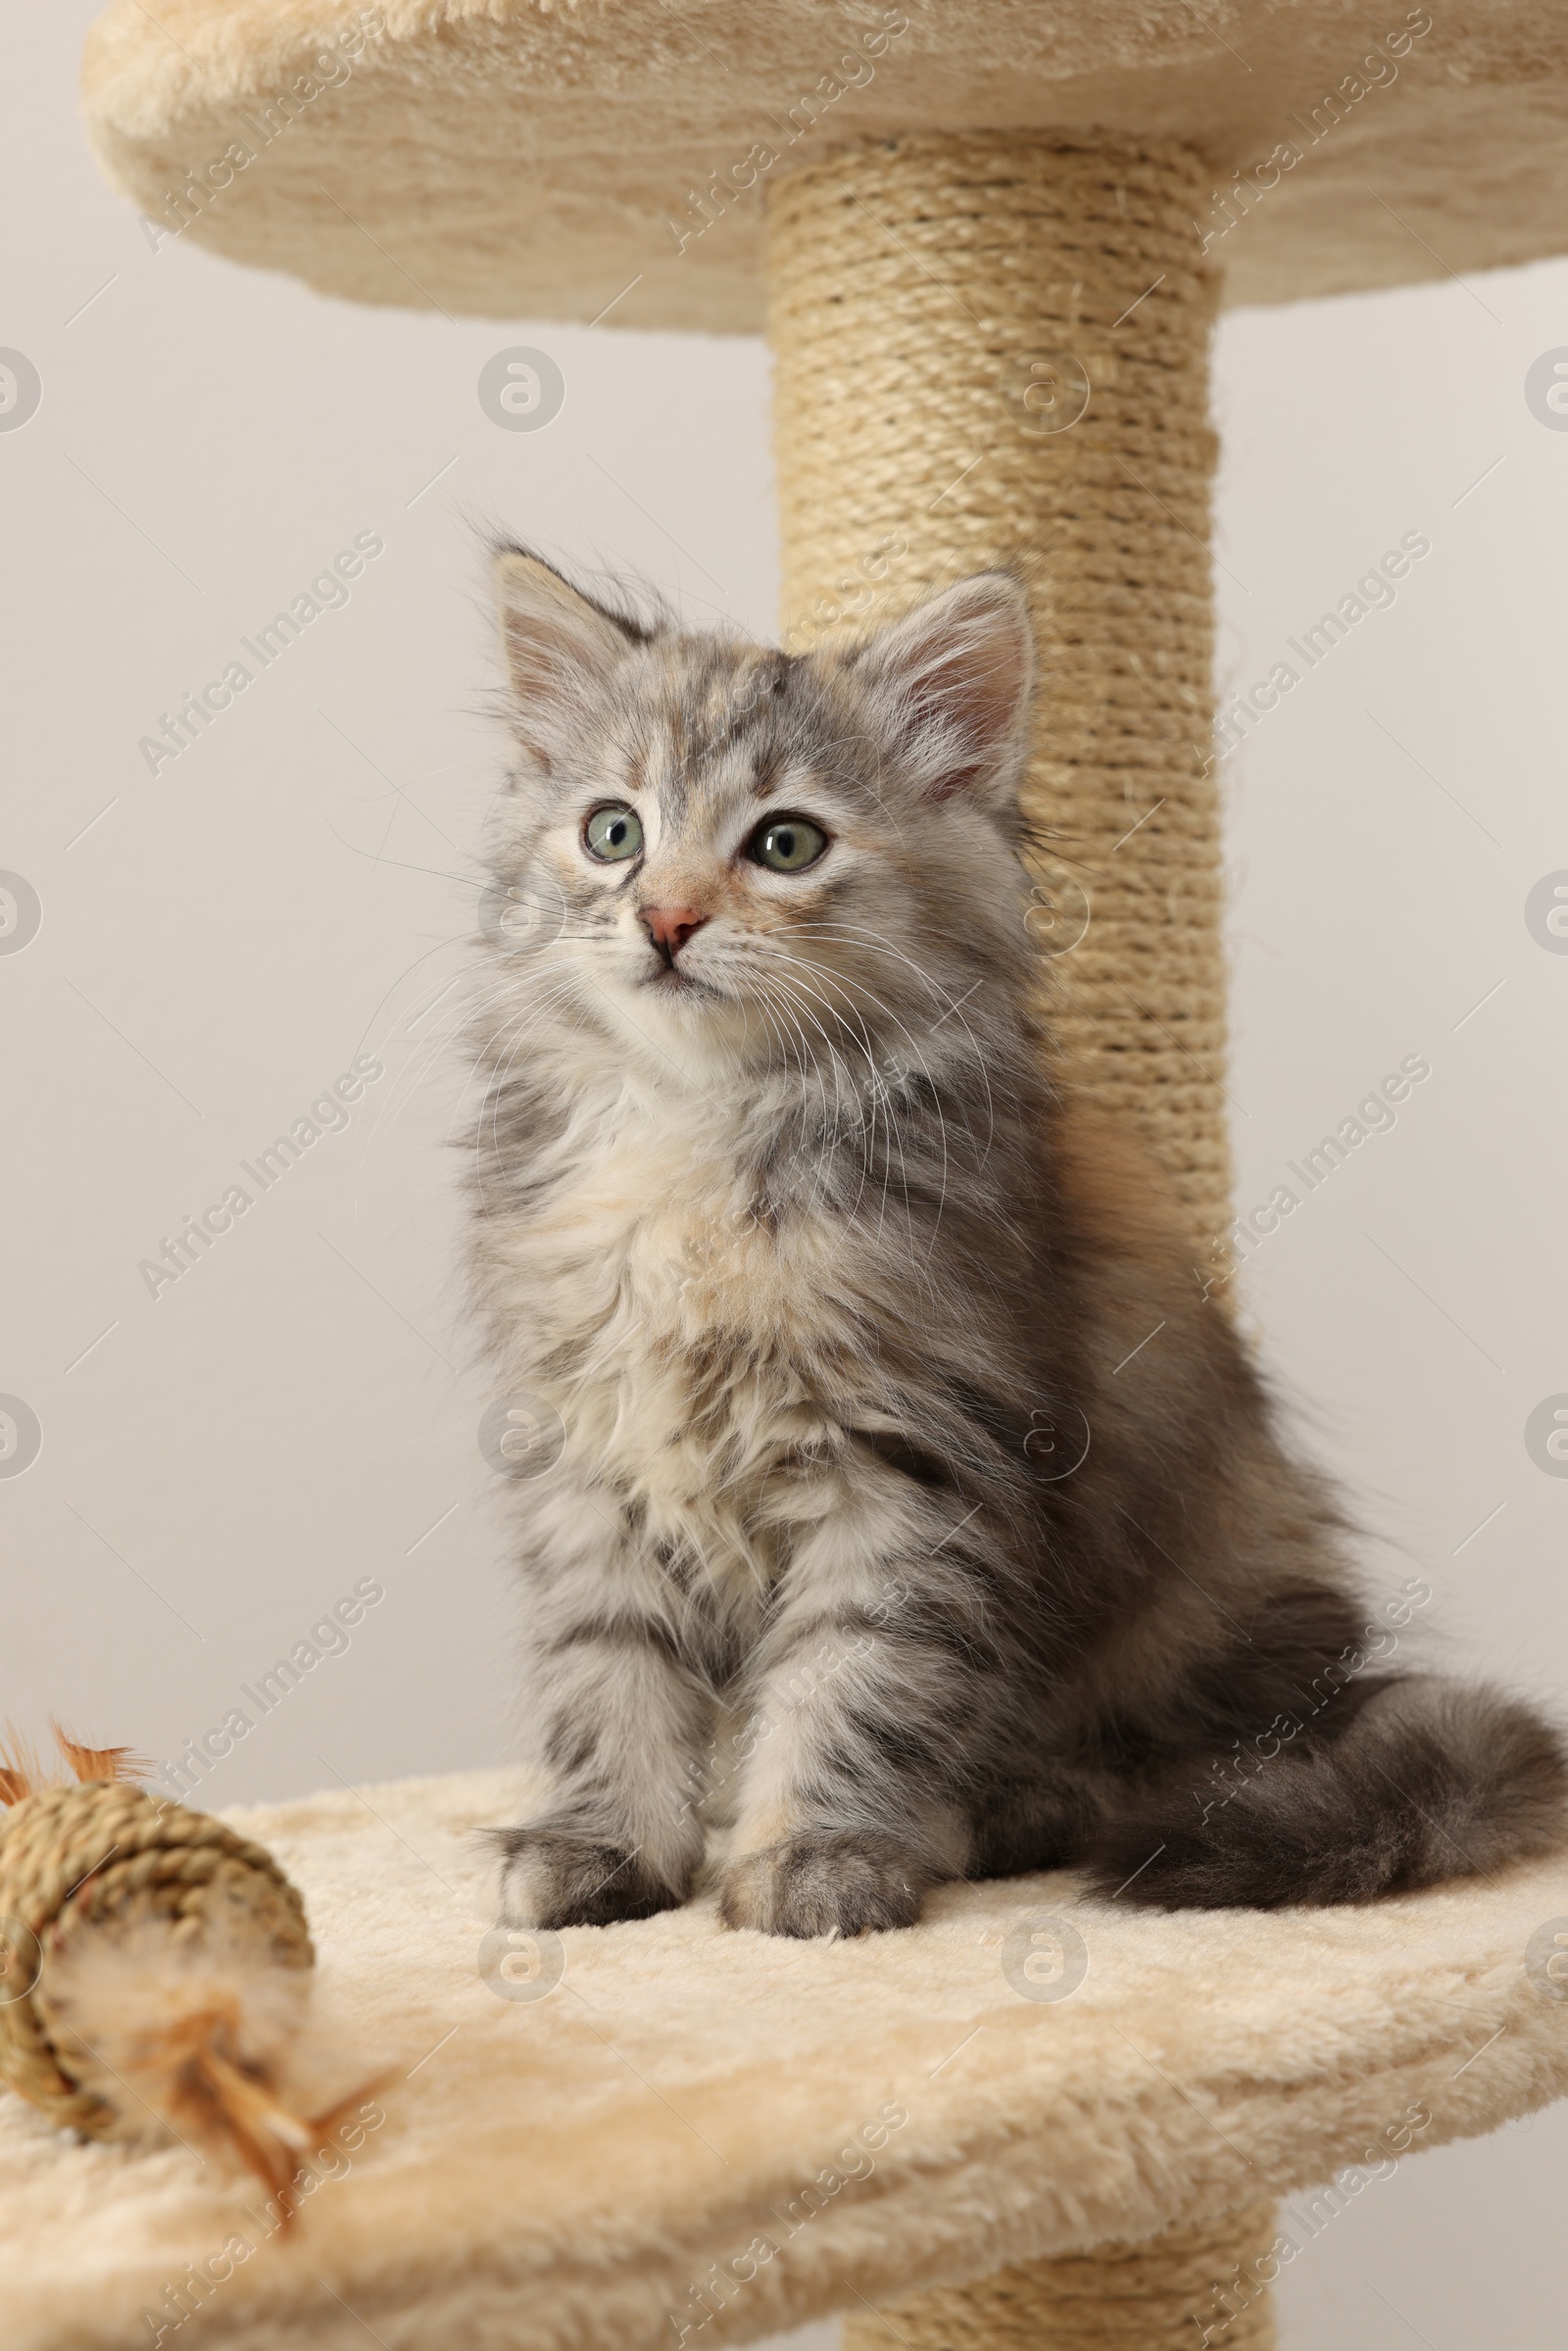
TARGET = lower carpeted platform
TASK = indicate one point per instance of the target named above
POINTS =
(693, 2137)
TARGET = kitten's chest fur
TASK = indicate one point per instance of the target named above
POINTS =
(694, 1328)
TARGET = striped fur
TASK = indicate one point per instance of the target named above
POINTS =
(825, 1280)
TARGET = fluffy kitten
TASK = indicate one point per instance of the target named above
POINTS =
(823, 1287)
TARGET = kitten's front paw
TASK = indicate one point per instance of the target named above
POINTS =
(825, 1881)
(556, 1877)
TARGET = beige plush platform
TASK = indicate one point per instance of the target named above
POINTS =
(545, 159)
(568, 2171)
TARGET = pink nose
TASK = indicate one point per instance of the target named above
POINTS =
(670, 927)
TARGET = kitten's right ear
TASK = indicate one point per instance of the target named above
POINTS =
(560, 647)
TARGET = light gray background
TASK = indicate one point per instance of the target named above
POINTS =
(219, 941)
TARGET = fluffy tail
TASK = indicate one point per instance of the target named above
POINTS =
(1430, 1780)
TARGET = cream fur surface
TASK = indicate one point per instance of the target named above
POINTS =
(566, 2171)
(515, 158)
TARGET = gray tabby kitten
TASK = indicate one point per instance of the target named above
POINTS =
(780, 1210)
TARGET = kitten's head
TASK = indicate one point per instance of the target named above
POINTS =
(717, 850)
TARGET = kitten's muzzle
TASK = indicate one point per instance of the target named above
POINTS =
(669, 928)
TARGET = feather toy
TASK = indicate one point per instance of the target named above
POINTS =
(155, 1967)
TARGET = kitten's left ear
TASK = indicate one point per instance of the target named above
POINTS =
(951, 686)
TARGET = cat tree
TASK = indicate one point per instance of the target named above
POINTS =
(991, 344)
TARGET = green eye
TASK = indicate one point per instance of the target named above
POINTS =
(612, 834)
(787, 844)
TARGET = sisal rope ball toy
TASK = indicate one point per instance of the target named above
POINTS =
(154, 1969)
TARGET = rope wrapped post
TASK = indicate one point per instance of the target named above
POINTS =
(1185, 2287)
(994, 349)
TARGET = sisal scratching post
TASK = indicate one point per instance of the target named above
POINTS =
(1144, 2297)
(993, 349)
